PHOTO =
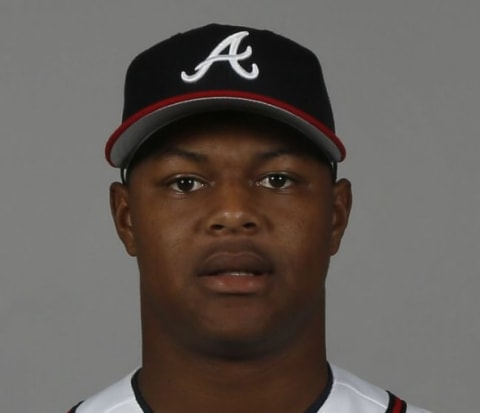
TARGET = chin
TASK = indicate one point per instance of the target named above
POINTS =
(235, 348)
(242, 340)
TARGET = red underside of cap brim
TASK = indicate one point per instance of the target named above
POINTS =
(217, 94)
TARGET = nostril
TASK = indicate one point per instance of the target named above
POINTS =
(232, 222)
(247, 226)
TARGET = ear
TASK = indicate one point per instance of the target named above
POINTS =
(342, 205)
(120, 208)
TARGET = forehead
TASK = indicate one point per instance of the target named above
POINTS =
(260, 131)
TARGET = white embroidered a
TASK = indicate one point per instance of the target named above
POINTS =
(233, 57)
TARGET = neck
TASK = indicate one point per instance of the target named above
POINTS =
(174, 379)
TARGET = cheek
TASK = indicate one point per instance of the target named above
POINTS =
(307, 226)
(162, 240)
(305, 240)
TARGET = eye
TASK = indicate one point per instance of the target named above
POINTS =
(185, 184)
(276, 181)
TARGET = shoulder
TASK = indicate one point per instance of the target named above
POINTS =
(348, 394)
(352, 394)
(117, 398)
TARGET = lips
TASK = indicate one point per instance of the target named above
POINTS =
(235, 264)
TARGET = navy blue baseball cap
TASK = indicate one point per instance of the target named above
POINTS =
(218, 68)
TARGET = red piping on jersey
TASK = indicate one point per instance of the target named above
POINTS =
(396, 405)
(399, 406)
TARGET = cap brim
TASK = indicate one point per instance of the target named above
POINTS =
(135, 130)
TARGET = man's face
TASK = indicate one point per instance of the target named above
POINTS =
(233, 225)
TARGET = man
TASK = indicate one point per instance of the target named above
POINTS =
(230, 203)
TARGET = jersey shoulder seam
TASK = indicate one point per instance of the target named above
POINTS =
(358, 392)
(119, 404)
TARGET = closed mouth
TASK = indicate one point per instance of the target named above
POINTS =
(238, 264)
(236, 273)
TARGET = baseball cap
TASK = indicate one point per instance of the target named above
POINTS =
(222, 67)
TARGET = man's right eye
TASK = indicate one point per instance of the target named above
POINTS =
(185, 184)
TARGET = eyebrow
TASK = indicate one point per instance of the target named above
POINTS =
(201, 158)
(265, 156)
(197, 157)
(301, 152)
(183, 153)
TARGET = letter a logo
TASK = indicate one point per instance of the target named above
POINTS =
(232, 57)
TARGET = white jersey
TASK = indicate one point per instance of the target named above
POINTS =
(346, 394)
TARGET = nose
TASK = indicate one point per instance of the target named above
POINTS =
(234, 211)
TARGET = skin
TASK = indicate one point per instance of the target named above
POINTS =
(218, 197)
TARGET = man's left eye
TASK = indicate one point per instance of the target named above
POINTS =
(276, 181)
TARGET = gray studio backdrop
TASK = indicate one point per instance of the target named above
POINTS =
(403, 308)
